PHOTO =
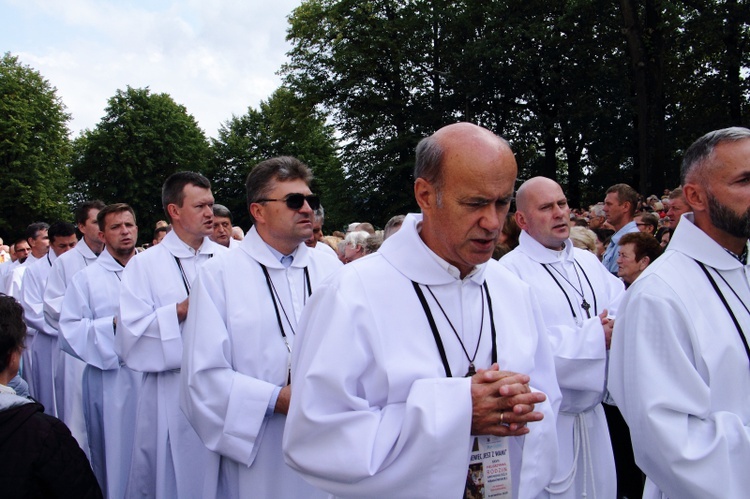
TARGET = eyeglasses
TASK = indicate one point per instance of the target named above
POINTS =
(296, 201)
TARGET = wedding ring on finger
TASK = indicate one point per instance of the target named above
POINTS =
(502, 415)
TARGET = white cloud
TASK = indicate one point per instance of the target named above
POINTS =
(215, 58)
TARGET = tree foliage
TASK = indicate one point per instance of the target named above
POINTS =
(141, 140)
(587, 91)
(283, 125)
(34, 149)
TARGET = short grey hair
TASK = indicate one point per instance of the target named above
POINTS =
(320, 215)
(598, 210)
(429, 161)
(357, 238)
(699, 155)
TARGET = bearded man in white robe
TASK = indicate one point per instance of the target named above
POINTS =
(680, 363)
(88, 323)
(579, 294)
(241, 328)
(169, 459)
(422, 370)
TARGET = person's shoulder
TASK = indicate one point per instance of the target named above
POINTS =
(324, 258)
(213, 248)
(514, 257)
(587, 257)
(498, 272)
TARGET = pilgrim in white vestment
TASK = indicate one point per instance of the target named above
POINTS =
(43, 348)
(69, 370)
(680, 370)
(110, 391)
(377, 411)
(169, 459)
(574, 288)
(237, 337)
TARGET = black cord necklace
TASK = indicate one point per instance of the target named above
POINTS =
(185, 281)
(584, 304)
(436, 333)
(277, 303)
(723, 299)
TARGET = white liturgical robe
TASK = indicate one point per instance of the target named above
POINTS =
(169, 460)
(69, 370)
(110, 392)
(236, 358)
(43, 349)
(558, 278)
(680, 373)
(373, 413)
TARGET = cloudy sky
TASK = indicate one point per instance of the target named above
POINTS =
(215, 58)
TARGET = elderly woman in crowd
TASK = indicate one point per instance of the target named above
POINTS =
(637, 251)
(355, 245)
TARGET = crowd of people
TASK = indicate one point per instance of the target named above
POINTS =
(465, 351)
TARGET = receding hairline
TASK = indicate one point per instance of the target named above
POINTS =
(432, 150)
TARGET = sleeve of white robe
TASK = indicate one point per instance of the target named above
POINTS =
(32, 300)
(148, 334)
(579, 352)
(344, 444)
(91, 340)
(54, 292)
(226, 408)
(683, 447)
(14, 282)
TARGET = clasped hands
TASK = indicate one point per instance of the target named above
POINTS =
(502, 403)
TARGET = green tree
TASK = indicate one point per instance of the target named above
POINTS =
(142, 139)
(589, 92)
(283, 125)
(34, 149)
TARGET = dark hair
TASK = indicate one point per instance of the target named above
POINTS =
(222, 211)
(82, 212)
(60, 229)
(603, 235)
(173, 190)
(650, 219)
(698, 154)
(112, 208)
(160, 229)
(282, 169)
(12, 329)
(32, 231)
(625, 194)
(643, 245)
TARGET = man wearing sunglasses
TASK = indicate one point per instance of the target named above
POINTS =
(241, 329)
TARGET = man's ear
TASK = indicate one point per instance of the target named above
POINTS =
(257, 211)
(521, 220)
(425, 194)
(173, 211)
(695, 196)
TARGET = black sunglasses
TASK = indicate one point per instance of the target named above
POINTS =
(296, 201)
